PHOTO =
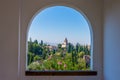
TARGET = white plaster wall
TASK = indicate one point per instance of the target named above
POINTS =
(92, 9)
(112, 40)
(9, 35)
(9, 39)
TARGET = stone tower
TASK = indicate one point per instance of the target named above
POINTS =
(65, 43)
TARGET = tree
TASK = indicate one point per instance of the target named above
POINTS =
(36, 58)
(77, 47)
(74, 59)
(42, 57)
(30, 57)
(59, 46)
(35, 66)
(41, 43)
(70, 47)
(44, 54)
(86, 50)
(30, 46)
(36, 49)
(81, 54)
(36, 42)
(53, 51)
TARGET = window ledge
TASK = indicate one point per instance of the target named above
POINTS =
(61, 73)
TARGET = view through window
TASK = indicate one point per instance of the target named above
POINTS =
(59, 39)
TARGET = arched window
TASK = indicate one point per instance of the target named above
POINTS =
(59, 39)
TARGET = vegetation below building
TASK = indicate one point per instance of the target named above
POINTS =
(66, 56)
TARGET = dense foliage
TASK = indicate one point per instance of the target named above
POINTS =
(42, 57)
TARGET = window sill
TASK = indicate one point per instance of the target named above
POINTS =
(61, 73)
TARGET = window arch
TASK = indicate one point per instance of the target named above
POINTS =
(86, 46)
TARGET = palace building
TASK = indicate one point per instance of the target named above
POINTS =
(65, 43)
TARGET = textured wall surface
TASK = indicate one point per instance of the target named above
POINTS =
(9, 19)
(15, 17)
(92, 10)
(112, 40)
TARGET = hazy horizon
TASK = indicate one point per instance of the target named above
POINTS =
(55, 44)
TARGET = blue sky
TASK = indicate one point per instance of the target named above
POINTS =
(55, 23)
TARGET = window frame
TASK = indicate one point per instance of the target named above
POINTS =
(92, 15)
(60, 73)
(91, 72)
